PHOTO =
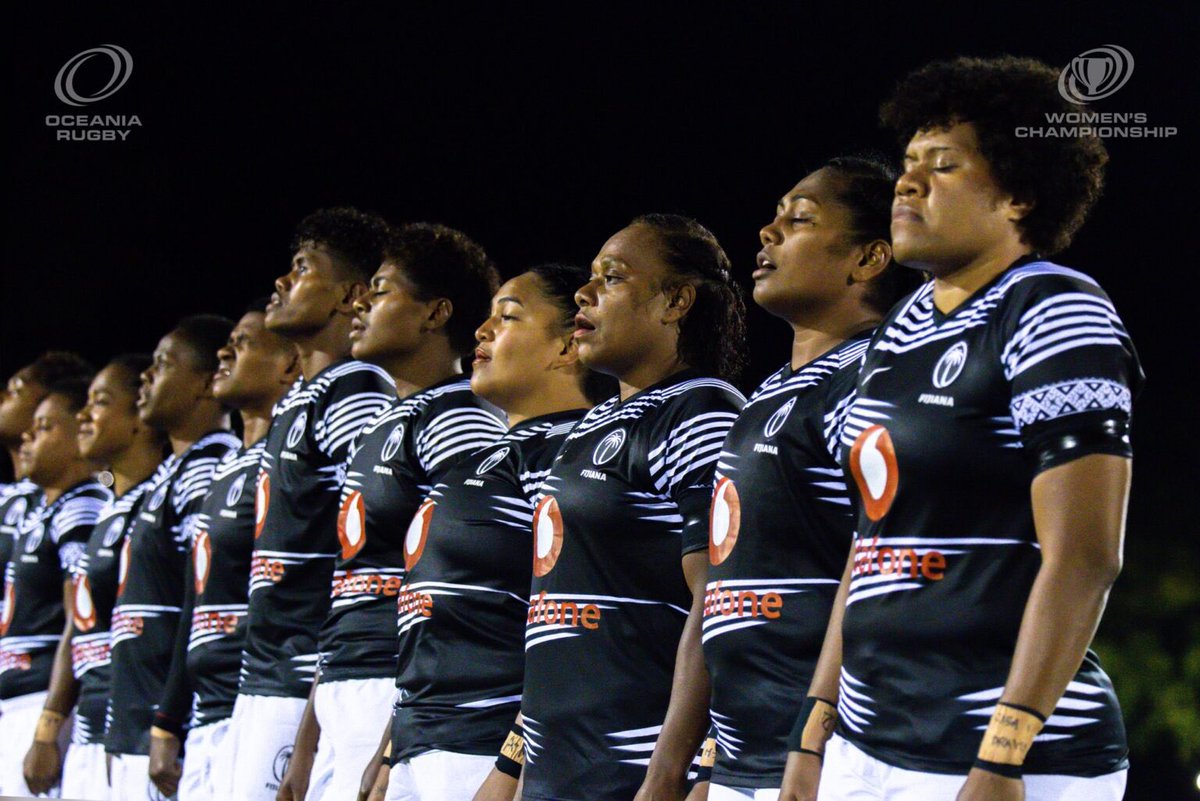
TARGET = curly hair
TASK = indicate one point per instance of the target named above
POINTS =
(712, 337)
(356, 240)
(1063, 177)
(55, 365)
(560, 282)
(444, 263)
(866, 190)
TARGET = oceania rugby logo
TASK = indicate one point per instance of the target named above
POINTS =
(779, 418)
(609, 447)
(352, 525)
(202, 559)
(113, 532)
(873, 463)
(160, 495)
(34, 538)
(490, 462)
(950, 365)
(418, 530)
(547, 535)
(392, 446)
(235, 490)
(262, 498)
(85, 609)
(724, 519)
(122, 68)
(297, 430)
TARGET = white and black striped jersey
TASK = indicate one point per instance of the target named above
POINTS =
(942, 441)
(463, 608)
(295, 544)
(95, 582)
(16, 500)
(50, 541)
(781, 527)
(394, 463)
(150, 589)
(203, 681)
(628, 495)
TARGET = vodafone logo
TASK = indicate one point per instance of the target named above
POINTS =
(779, 418)
(10, 605)
(418, 530)
(547, 534)
(123, 568)
(352, 525)
(950, 365)
(297, 430)
(724, 520)
(202, 559)
(262, 499)
(873, 463)
(490, 462)
(609, 447)
(85, 608)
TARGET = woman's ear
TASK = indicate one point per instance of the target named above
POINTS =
(679, 302)
(873, 260)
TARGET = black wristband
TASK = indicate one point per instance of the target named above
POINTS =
(167, 723)
(505, 763)
(795, 739)
(1007, 771)
(1024, 708)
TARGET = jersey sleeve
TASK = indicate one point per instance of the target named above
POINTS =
(189, 490)
(72, 526)
(1069, 360)
(449, 434)
(350, 402)
(685, 445)
(840, 392)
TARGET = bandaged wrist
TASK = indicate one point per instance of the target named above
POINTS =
(1008, 739)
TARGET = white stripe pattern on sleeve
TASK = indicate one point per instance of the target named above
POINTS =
(82, 510)
(456, 432)
(343, 420)
(689, 450)
(1059, 324)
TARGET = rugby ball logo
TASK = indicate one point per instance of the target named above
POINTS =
(85, 609)
(392, 446)
(262, 498)
(547, 535)
(779, 418)
(609, 447)
(235, 490)
(202, 559)
(950, 365)
(113, 532)
(296, 432)
(418, 531)
(352, 525)
(873, 463)
(490, 462)
(724, 520)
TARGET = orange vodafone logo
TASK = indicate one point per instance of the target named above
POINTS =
(123, 568)
(724, 520)
(547, 535)
(202, 559)
(418, 530)
(873, 463)
(262, 498)
(352, 524)
(85, 608)
(10, 604)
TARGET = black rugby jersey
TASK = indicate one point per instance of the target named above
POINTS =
(203, 680)
(150, 589)
(938, 441)
(296, 507)
(627, 496)
(16, 500)
(49, 543)
(463, 609)
(395, 462)
(95, 582)
(781, 527)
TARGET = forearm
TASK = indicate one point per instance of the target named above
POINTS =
(827, 674)
(175, 704)
(309, 731)
(64, 687)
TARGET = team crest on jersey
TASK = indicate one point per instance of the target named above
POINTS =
(392, 446)
(493, 460)
(280, 764)
(235, 490)
(547, 535)
(352, 524)
(160, 495)
(85, 609)
(873, 463)
(724, 519)
(779, 418)
(113, 532)
(950, 365)
(34, 538)
(418, 530)
(609, 447)
(202, 559)
(16, 511)
(297, 430)
(262, 498)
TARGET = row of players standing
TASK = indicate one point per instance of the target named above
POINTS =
(611, 687)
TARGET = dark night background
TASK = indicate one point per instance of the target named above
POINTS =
(540, 134)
